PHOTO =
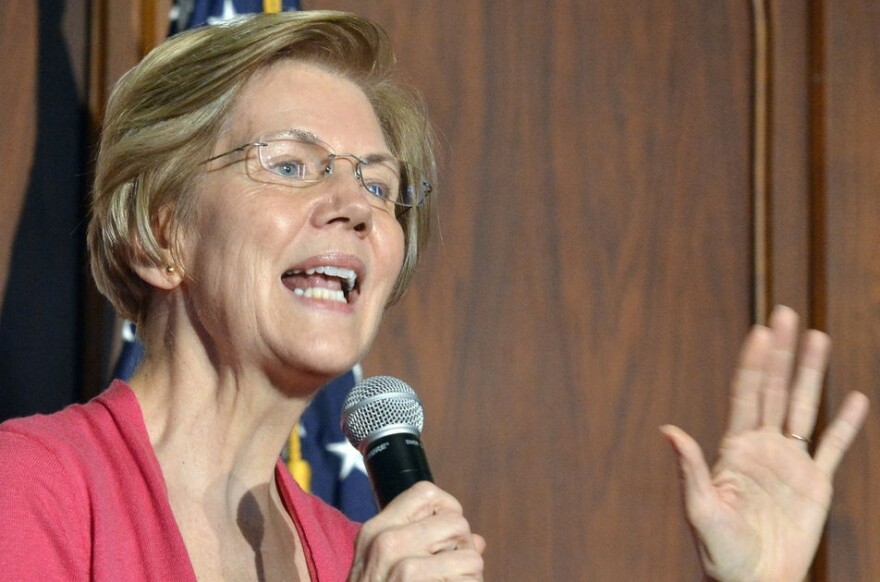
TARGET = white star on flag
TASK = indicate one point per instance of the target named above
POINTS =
(349, 457)
(228, 13)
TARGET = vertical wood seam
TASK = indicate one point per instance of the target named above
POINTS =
(761, 257)
(817, 241)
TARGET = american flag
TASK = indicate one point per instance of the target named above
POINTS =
(191, 13)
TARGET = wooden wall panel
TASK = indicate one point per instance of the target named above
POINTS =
(593, 270)
(850, 205)
(592, 276)
(790, 238)
(122, 32)
(18, 126)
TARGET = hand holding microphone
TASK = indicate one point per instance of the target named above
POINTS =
(421, 532)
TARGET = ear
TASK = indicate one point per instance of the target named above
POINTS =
(165, 277)
(162, 276)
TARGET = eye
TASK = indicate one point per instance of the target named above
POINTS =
(292, 160)
(379, 189)
(380, 179)
(291, 168)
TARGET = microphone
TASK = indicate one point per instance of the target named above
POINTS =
(383, 418)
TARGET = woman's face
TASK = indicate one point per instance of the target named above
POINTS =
(255, 256)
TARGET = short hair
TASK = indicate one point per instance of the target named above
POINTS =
(165, 115)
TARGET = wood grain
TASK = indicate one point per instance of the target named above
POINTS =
(592, 277)
(18, 124)
(850, 192)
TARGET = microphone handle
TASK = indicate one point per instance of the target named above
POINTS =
(395, 462)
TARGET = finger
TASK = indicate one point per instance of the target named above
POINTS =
(745, 402)
(696, 479)
(422, 501)
(783, 324)
(804, 402)
(840, 433)
(443, 533)
(418, 502)
(458, 565)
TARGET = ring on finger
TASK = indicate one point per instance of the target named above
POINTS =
(797, 437)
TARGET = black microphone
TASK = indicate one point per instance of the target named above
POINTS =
(383, 418)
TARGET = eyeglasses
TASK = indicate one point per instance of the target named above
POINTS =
(299, 161)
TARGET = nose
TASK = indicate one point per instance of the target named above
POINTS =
(344, 202)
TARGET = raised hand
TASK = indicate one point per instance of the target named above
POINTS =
(421, 535)
(759, 513)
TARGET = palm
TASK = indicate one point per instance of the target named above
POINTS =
(759, 514)
(768, 507)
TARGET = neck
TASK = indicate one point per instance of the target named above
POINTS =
(217, 426)
(215, 423)
(214, 415)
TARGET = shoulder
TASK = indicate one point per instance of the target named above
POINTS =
(67, 428)
(68, 481)
(50, 456)
(39, 449)
(48, 461)
(43, 501)
(38, 470)
(64, 450)
(68, 437)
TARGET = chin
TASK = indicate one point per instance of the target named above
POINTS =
(333, 357)
(312, 373)
(304, 362)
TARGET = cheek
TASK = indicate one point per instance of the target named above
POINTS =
(393, 251)
(230, 244)
(247, 217)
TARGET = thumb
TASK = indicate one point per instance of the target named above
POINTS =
(695, 477)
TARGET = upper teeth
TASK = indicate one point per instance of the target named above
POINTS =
(349, 277)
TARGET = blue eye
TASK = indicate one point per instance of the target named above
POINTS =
(379, 179)
(294, 169)
(377, 189)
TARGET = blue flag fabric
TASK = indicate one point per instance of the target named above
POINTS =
(131, 354)
(338, 473)
(191, 13)
(318, 455)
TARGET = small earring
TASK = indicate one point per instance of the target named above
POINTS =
(170, 269)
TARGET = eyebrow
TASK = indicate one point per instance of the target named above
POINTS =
(301, 134)
(310, 137)
(379, 158)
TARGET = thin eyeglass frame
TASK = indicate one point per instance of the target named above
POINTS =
(332, 156)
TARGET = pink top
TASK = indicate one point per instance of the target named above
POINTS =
(82, 497)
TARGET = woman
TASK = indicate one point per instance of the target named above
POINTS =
(252, 214)
(257, 265)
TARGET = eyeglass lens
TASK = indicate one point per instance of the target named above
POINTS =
(293, 162)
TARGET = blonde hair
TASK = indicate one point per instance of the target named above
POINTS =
(164, 116)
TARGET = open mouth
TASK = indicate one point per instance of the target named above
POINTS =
(324, 283)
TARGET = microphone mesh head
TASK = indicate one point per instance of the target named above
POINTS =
(380, 404)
